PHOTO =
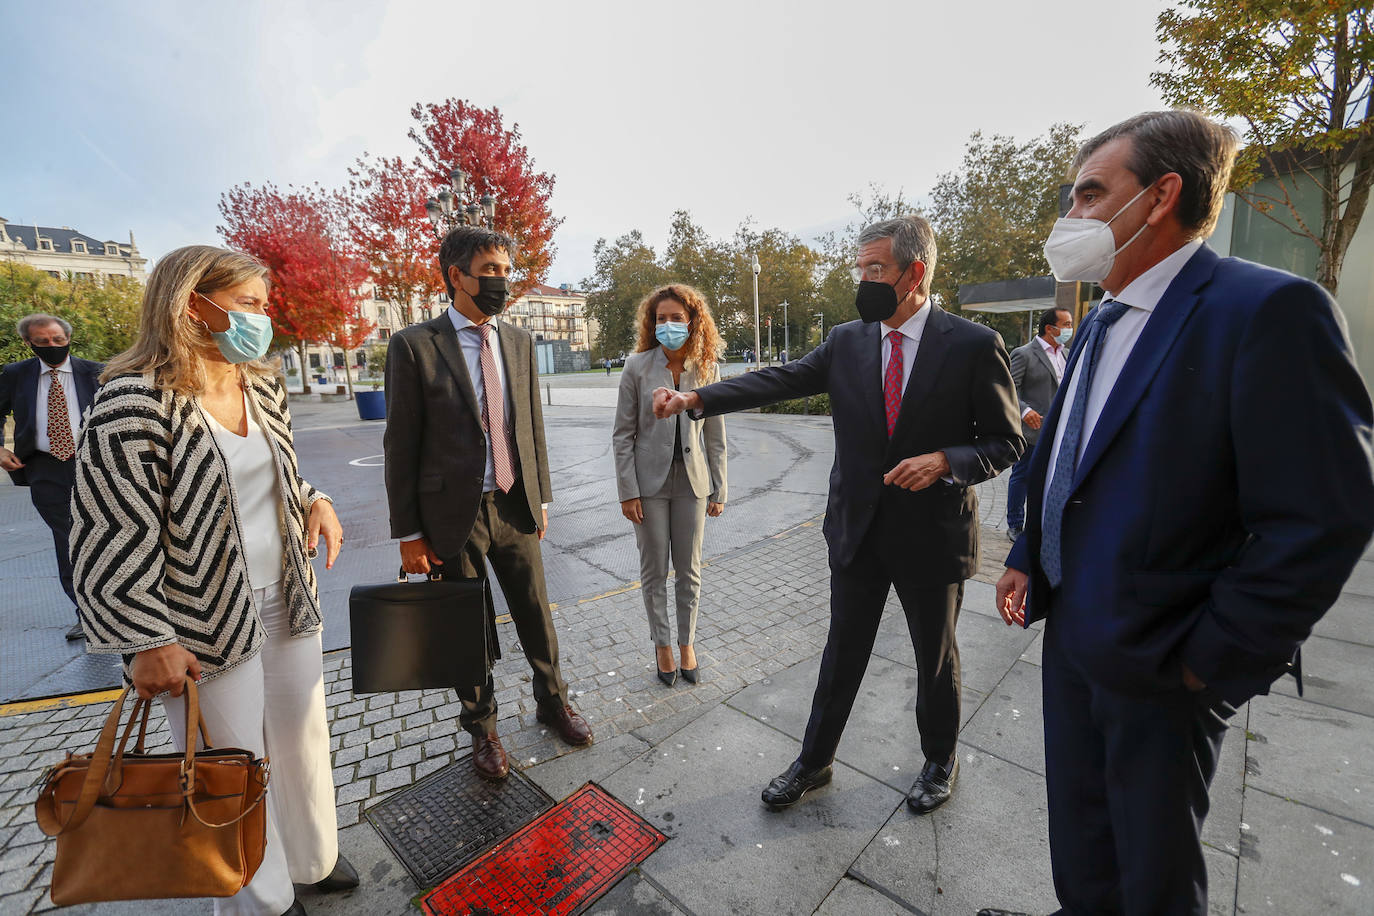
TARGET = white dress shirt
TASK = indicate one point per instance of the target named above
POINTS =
(911, 329)
(1142, 295)
(1058, 354)
(470, 339)
(68, 378)
(254, 475)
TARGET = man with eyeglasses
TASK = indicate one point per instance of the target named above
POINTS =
(923, 408)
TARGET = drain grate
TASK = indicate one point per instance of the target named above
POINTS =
(559, 864)
(453, 815)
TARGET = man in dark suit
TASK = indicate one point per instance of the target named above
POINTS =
(1036, 369)
(1202, 492)
(923, 409)
(467, 476)
(48, 395)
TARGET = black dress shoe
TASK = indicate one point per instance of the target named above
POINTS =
(669, 678)
(76, 633)
(296, 909)
(933, 787)
(993, 911)
(786, 790)
(690, 675)
(344, 877)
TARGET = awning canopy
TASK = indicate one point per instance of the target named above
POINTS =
(1033, 294)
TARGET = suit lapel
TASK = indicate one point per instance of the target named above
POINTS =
(446, 342)
(28, 387)
(930, 356)
(1158, 335)
(515, 359)
(1044, 357)
(868, 365)
(85, 385)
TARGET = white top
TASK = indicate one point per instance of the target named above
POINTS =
(911, 329)
(1058, 354)
(1142, 295)
(64, 372)
(470, 339)
(255, 487)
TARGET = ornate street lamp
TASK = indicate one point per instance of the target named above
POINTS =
(447, 210)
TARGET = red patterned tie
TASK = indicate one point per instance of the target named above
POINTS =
(892, 382)
(60, 444)
(494, 414)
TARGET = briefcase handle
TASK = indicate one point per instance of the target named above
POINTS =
(434, 575)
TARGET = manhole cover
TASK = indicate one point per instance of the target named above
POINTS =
(559, 864)
(452, 815)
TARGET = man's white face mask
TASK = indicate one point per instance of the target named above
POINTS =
(1083, 250)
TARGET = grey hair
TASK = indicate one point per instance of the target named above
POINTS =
(1196, 148)
(912, 240)
(28, 322)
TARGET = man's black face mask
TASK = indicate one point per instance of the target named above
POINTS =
(492, 294)
(875, 301)
(52, 356)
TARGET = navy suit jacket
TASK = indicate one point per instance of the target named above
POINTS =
(959, 399)
(19, 394)
(1226, 492)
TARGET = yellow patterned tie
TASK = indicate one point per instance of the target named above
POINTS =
(60, 444)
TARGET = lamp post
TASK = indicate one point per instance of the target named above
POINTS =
(756, 268)
(770, 340)
(786, 332)
(821, 316)
(447, 211)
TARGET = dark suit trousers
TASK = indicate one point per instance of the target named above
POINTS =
(50, 488)
(1127, 779)
(857, 595)
(508, 538)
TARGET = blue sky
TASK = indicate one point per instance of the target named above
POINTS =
(138, 115)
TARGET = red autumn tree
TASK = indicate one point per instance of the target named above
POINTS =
(457, 133)
(389, 230)
(314, 277)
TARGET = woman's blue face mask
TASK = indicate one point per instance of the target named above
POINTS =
(672, 334)
(247, 337)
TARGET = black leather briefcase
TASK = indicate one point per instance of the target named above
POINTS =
(417, 635)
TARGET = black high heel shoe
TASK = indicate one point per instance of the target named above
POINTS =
(690, 674)
(344, 877)
(669, 678)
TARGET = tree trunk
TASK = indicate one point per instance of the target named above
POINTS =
(305, 370)
(348, 374)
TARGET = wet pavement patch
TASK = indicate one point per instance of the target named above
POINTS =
(449, 817)
(559, 864)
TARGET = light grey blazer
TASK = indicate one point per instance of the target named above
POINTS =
(643, 444)
(1036, 385)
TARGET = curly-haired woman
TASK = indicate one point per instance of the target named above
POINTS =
(670, 475)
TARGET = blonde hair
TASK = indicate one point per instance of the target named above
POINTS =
(169, 342)
(704, 346)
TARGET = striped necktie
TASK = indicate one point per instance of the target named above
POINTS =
(494, 414)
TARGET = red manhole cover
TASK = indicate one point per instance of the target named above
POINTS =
(557, 864)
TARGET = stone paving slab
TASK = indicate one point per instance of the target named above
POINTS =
(1334, 673)
(634, 896)
(1347, 620)
(852, 897)
(1315, 755)
(1301, 860)
(727, 852)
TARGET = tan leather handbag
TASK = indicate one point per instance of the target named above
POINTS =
(149, 826)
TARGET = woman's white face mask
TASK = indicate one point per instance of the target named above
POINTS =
(1084, 250)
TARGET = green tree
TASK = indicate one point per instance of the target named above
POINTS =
(1299, 76)
(626, 271)
(993, 214)
(104, 316)
(788, 270)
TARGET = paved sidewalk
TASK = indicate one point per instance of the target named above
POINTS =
(1291, 829)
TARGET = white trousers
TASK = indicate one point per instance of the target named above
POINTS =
(273, 705)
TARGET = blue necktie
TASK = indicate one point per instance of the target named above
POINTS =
(1061, 479)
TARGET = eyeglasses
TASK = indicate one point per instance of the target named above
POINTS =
(873, 272)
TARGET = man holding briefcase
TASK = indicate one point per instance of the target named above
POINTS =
(467, 475)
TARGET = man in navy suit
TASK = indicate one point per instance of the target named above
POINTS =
(48, 395)
(923, 408)
(1201, 491)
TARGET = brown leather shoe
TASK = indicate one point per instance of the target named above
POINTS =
(489, 757)
(571, 727)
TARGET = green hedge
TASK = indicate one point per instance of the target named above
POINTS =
(817, 405)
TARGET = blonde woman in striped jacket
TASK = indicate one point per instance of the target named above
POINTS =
(191, 538)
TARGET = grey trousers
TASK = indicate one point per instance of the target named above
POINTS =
(674, 520)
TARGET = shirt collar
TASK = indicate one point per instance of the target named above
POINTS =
(913, 326)
(1049, 347)
(66, 366)
(1145, 291)
(461, 321)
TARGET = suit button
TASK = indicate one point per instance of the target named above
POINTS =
(686, 450)
(479, 478)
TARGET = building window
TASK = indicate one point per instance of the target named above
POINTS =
(78, 247)
(384, 333)
(112, 249)
(45, 244)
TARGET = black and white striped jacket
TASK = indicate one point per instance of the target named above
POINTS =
(156, 543)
